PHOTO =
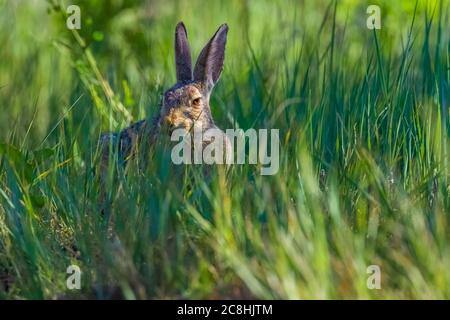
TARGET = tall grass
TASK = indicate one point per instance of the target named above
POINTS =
(364, 165)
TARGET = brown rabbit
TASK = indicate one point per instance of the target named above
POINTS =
(185, 105)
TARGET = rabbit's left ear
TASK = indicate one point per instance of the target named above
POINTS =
(210, 61)
(182, 54)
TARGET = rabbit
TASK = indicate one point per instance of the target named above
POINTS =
(185, 105)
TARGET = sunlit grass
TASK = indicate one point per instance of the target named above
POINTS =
(364, 165)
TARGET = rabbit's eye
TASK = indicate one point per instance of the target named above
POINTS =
(196, 101)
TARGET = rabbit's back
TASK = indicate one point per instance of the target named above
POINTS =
(124, 145)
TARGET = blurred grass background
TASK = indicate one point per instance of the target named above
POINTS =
(364, 168)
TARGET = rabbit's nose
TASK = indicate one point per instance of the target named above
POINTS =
(168, 120)
(171, 118)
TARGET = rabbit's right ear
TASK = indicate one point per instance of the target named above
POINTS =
(210, 61)
(182, 54)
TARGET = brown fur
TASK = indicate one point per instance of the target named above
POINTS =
(184, 105)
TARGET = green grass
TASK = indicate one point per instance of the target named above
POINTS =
(364, 173)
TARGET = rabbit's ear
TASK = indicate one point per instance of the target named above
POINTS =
(210, 61)
(182, 54)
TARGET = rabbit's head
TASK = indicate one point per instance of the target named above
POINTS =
(186, 104)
